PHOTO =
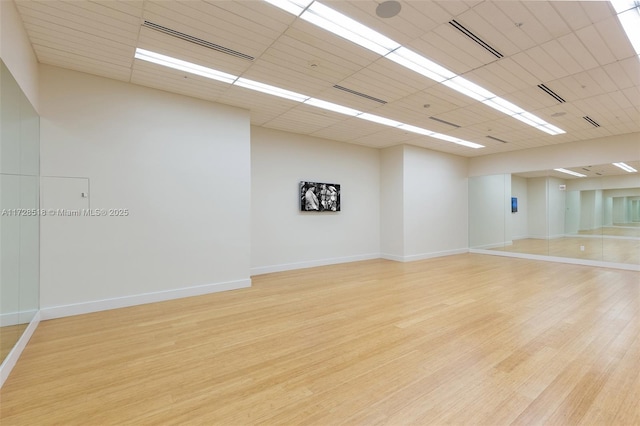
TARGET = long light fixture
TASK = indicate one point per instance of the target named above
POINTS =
(213, 74)
(352, 30)
(625, 167)
(629, 16)
(185, 66)
(570, 172)
(269, 90)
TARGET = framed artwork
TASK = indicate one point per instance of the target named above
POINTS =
(514, 205)
(319, 197)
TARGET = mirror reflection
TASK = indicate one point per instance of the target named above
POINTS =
(591, 214)
(19, 233)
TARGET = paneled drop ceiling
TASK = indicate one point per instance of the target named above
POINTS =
(576, 52)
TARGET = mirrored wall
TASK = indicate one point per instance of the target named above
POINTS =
(593, 217)
(19, 223)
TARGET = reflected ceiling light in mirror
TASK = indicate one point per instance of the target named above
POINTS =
(341, 25)
(629, 16)
(570, 172)
(168, 61)
(625, 167)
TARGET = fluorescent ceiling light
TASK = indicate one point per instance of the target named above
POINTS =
(418, 63)
(332, 107)
(185, 66)
(623, 5)
(189, 67)
(380, 120)
(551, 127)
(270, 90)
(295, 7)
(504, 105)
(469, 88)
(630, 20)
(569, 172)
(548, 129)
(414, 129)
(352, 30)
(625, 167)
(457, 140)
(347, 28)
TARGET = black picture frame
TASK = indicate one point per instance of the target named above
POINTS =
(319, 196)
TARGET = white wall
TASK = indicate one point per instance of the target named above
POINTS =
(556, 207)
(572, 212)
(392, 202)
(488, 206)
(537, 209)
(595, 151)
(436, 203)
(626, 181)
(283, 237)
(587, 210)
(598, 210)
(519, 220)
(180, 166)
(607, 207)
(16, 51)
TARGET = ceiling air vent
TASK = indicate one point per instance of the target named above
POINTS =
(591, 121)
(362, 95)
(496, 139)
(198, 41)
(444, 122)
(475, 38)
(551, 93)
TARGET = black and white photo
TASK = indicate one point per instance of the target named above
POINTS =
(319, 197)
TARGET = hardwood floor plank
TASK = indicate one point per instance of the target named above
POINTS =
(465, 339)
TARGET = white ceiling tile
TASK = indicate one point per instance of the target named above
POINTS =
(598, 48)
(548, 17)
(572, 13)
(562, 57)
(578, 51)
(455, 8)
(618, 74)
(558, 44)
(615, 38)
(538, 70)
(539, 55)
(597, 10)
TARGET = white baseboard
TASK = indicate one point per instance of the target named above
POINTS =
(259, 270)
(139, 299)
(495, 245)
(14, 318)
(571, 260)
(393, 257)
(12, 358)
(423, 256)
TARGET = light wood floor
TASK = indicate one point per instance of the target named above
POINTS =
(9, 335)
(466, 339)
(628, 230)
(595, 248)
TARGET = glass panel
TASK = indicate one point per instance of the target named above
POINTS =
(595, 217)
(19, 195)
